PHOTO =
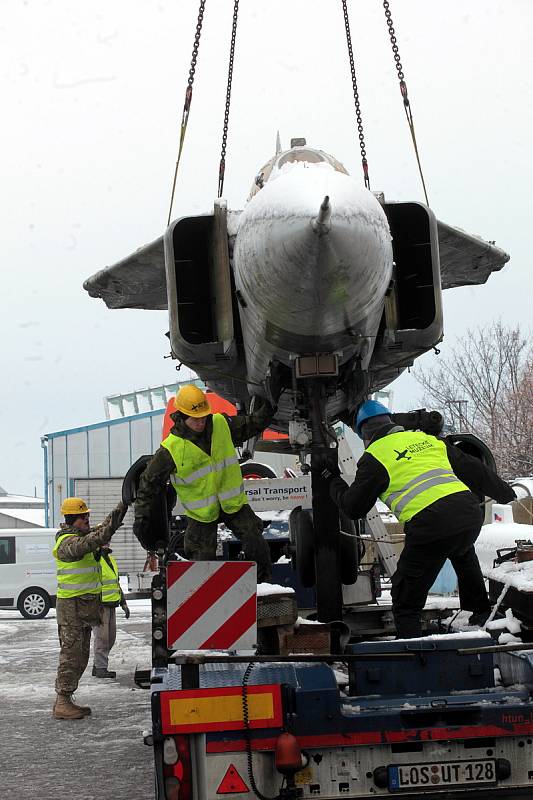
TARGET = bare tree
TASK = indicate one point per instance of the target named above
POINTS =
(485, 387)
(516, 424)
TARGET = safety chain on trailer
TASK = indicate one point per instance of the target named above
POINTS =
(222, 167)
(188, 99)
(403, 90)
(364, 162)
(247, 733)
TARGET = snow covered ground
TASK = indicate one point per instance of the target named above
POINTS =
(99, 757)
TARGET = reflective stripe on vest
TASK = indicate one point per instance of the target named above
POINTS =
(419, 472)
(206, 482)
(110, 582)
(76, 578)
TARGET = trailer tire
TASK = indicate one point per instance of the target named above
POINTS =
(34, 603)
(303, 539)
(349, 549)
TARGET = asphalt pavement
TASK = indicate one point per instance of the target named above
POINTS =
(101, 757)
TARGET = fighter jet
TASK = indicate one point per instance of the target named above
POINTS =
(318, 293)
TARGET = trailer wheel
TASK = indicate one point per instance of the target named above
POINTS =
(303, 538)
(34, 603)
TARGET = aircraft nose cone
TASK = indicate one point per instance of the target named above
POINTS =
(313, 256)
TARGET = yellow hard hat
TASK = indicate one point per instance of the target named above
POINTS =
(192, 401)
(74, 505)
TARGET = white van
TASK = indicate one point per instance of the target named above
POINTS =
(28, 571)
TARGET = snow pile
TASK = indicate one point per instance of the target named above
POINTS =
(442, 637)
(498, 536)
(264, 589)
(523, 487)
(509, 623)
(517, 575)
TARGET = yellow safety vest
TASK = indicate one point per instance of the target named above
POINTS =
(76, 578)
(110, 583)
(204, 483)
(419, 471)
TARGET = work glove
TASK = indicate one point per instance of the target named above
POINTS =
(126, 610)
(117, 515)
(326, 467)
(328, 473)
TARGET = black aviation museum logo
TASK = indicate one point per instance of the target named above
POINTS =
(402, 454)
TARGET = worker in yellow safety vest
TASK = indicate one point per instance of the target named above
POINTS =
(105, 634)
(431, 487)
(199, 458)
(79, 588)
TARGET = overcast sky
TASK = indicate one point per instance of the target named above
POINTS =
(92, 97)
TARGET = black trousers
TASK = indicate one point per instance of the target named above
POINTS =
(447, 529)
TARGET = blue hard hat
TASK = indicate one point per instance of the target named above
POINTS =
(369, 409)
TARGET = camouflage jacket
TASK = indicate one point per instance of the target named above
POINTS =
(75, 547)
(86, 609)
(161, 466)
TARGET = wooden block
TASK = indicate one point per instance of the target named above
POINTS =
(306, 638)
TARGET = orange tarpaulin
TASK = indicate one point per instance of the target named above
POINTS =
(218, 406)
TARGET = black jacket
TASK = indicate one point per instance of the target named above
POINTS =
(372, 479)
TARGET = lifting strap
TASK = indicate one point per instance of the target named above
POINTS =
(188, 100)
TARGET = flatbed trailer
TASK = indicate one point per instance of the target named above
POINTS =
(409, 718)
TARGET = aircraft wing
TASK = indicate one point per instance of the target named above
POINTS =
(137, 281)
(466, 260)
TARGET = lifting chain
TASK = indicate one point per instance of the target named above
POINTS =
(364, 162)
(403, 90)
(188, 99)
(222, 166)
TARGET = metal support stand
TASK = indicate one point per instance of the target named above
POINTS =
(325, 517)
(327, 541)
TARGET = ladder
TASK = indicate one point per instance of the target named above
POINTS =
(347, 466)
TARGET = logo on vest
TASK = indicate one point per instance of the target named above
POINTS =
(402, 454)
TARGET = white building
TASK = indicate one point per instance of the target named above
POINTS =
(19, 511)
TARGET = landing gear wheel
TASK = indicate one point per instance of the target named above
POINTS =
(34, 603)
(302, 537)
(252, 469)
(349, 549)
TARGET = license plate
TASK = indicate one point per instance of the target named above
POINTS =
(440, 775)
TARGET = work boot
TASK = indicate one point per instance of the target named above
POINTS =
(86, 709)
(64, 708)
(103, 673)
(479, 618)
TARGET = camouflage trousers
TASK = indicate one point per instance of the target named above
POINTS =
(75, 641)
(201, 539)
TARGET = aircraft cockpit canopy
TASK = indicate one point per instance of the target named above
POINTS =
(297, 153)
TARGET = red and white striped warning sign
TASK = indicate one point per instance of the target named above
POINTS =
(211, 605)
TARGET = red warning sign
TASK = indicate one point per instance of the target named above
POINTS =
(232, 783)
